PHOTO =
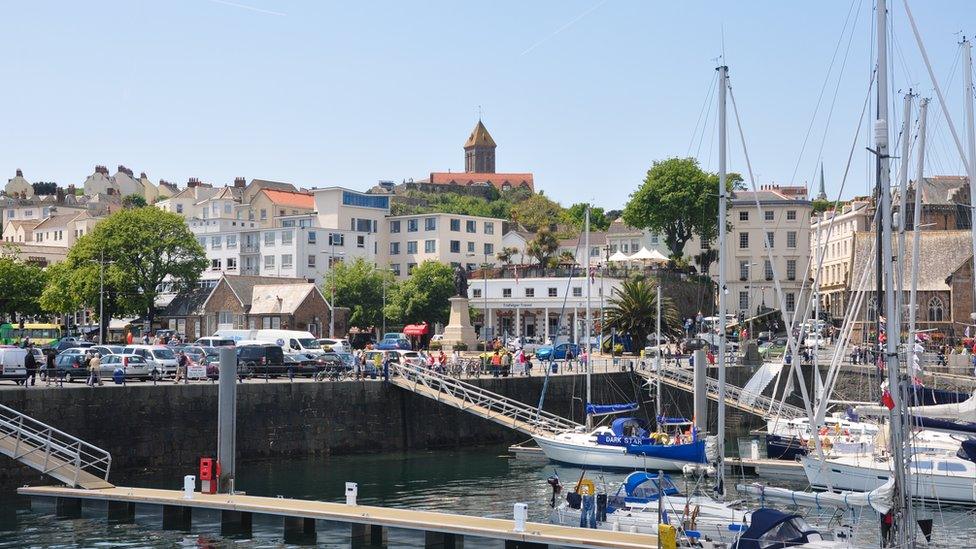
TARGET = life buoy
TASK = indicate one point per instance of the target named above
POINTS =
(586, 487)
(661, 438)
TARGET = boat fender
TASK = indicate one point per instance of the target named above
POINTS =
(586, 488)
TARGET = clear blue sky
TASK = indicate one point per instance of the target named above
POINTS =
(584, 93)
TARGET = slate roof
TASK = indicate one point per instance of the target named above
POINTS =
(243, 286)
(279, 298)
(942, 252)
(187, 303)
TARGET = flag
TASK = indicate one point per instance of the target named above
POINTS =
(516, 274)
(887, 400)
(592, 275)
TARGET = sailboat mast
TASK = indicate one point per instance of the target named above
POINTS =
(903, 197)
(885, 263)
(657, 356)
(967, 53)
(586, 344)
(722, 149)
(916, 222)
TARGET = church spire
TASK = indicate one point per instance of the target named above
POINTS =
(479, 151)
(822, 195)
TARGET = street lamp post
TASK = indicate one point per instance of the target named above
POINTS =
(101, 295)
(332, 256)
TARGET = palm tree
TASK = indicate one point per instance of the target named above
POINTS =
(542, 247)
(506, 254)
(633, 310)
(567, 258)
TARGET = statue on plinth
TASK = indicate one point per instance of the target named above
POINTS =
(460, 282)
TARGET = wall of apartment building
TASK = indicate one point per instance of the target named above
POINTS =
(749, 281)
(836, 237)
(308, 252)
(447, 238)
(340, 208)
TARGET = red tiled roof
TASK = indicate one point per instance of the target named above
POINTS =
(499, 180)
(294, 200)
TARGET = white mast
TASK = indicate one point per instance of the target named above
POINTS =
(720, 464)
(657, 355)
(586, 345)
(892, 327)
(967, 53)
(916, 221)
(903, 198)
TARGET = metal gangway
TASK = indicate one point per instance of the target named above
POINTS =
(53, 452)
(734, 396)
(478, 401)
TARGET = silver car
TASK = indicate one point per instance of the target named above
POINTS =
(134, 367)
(162, 360)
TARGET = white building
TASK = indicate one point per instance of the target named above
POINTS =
(835, 231)
(785, 221)
(454, 239)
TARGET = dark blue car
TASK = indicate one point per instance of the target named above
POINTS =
(561, 351)
(393, 344)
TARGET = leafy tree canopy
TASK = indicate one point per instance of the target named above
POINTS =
(575, 215)
(633, 310)
(43, 188)
(359, 287)
(133, 201)
(424, 295)
(21, 285)
(543, 247)
(536, 212)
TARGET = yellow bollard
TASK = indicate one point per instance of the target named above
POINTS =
(667, 537)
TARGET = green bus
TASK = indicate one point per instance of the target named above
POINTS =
(39, 334)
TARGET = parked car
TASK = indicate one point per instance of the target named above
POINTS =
(392, 344)
(815, 340)
(134, 367)
(256, 358)
(161, 359)
(69, 367)
(214, 342)
(105, 350)
(69, 342)
(399, 356)
(75, 351)
(558, 352)
(338, 345)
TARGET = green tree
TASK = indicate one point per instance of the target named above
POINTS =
(424, 296)
(633, 310)
(76, 283)
(133, 201)
(359, 286)
(144, 246)
(21, 285)
(42, 188)
(567, 257)
(506, 254)
(542, 247)
(575, 215)
(677, 199)
(536, 212)
(820, 206)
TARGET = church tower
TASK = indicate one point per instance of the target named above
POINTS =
(479, 151)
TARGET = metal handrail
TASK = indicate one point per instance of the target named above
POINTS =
(733, 393)
(494, 403)
(32, 437)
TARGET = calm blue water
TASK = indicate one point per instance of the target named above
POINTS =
(479, 481)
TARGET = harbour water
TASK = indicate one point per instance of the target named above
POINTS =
(482, 481)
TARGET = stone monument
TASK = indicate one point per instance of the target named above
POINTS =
(459, 328)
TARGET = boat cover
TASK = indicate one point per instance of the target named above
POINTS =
(693, 452)
(963, 412)
(764, 521)
(925, 396)
(629, 426)
(607, 409)
(879, 498)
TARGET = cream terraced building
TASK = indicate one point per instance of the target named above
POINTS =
(464, 240)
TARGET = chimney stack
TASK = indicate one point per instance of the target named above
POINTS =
(142, 175)
(125, 170)
(240, 182)
(20, 173)
(101, 169)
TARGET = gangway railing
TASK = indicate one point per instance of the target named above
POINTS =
(53, 452)
(735, 397)
(479, 401)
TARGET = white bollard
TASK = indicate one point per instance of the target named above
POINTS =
(521, 513)
(189, 484)
(352, 489)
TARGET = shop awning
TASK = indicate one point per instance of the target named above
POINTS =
(415, 329)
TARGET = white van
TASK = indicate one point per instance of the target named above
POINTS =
(161, 359)
(290, 341)
(12, 363)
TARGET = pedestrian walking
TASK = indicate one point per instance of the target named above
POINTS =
(94, 362)
(49, 369)
(181, 368)
(30, 365)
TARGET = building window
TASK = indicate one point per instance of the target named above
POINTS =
(506, 292)
(286, 261)
(654, 239)
(411, 246)
(411, 267)
(791, 239)
(530, 292)
(577, 291)
(179, 208)
(769, 215)
(790, 302)
(311, 237)
(743, 240)
(476, 292)
(489, 248)
(337, 239)
(231, 241)
(269, 239)
(412, 225)
(552, 292)
(768, 269)
(936, 309)
(395, 226)
(365, 200)
(489, 228)
(456, 225)
(470, 226)
(743, 216)
(231, 264)
(430, 246)
(790, 269)
(360, 241)
(264, 214)
(455, 246)
(215, 242)
(791, 215)
(430, 223)
(471, 247)
(311, 261)
(743, 270)
(215, 264)
(269, 262)
(395, 267)
(770, 240)
(394, 248)
(286, 237)
(743, 301)
(471, 266)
